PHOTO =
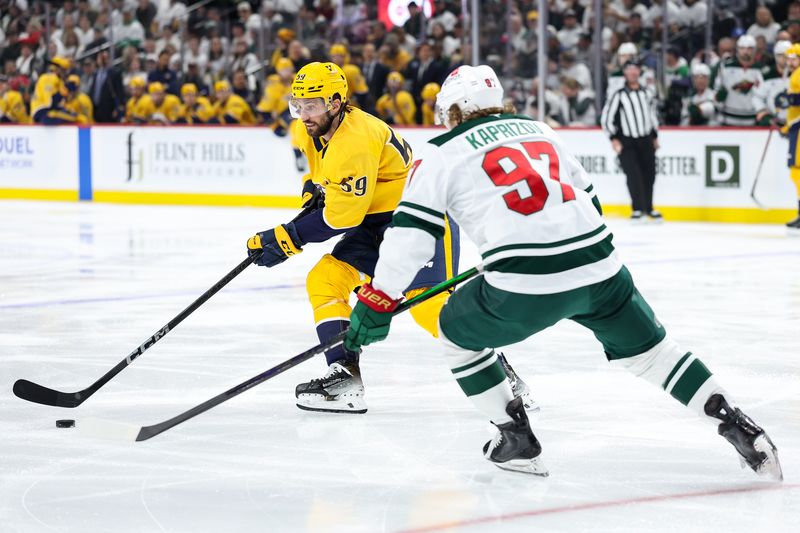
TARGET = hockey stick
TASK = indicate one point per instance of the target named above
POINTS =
(136, 433)
(758, 171)
(33, 392)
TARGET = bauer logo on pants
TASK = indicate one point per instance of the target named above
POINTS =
(722, 166)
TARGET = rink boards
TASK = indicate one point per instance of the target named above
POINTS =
(703, 173)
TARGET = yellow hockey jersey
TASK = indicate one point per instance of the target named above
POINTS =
(82, 106)
(131, 106)
(363, 167)
(47, 86)
(235, 110)
(793, 111)
(427, 115)
(276, 96)
(200, 113)
(12, 108)
(400, 108)
(147, 111)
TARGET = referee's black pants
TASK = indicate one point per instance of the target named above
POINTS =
(638, 162)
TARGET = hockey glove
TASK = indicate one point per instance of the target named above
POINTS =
(313, 195)
(277, 244)
(370, 319)
(721, 95)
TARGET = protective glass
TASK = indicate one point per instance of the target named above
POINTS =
(310, 107)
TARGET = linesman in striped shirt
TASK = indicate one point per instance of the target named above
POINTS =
(629, 118)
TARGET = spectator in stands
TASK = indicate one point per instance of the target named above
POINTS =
(168, 39)
(764, 25)
(446, 43)
(570, 32)
(397, 105)
(444, 15)
(130, 31)
(273, 108)
(26, 62)
(375, 72)
(338, 54)
(619, 13)
(297, 54)
(422, 70)
(570, 68)
(416, 21)
(240, 87)
(551, 102)
(693, 14)
(575, 105)
(700, 107)
(245, 61)
(131, 67)
(392, 55)
(174, 12)
(195, 77)
(107, 92)
(217, 59)
(230, 108)
(164, 74)
(146, 15)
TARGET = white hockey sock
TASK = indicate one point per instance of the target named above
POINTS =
(482, 378)
(678, 372)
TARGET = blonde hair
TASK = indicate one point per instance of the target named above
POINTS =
(456, 117)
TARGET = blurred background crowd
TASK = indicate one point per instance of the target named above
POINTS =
(218, 61)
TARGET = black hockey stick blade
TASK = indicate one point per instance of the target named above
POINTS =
(129, 432)
(33, 392)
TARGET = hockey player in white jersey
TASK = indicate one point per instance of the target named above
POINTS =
(737, 81)
(700, 108)
(770, 97)
(547, 254)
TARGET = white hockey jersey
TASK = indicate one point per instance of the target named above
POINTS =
(737, 88)
(769, 94)
(511, 185)
(700, 109)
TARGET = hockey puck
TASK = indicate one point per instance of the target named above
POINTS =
(65, 423)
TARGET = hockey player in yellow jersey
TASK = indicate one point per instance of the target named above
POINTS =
(274, 105)
(230, 108)
(47, 104)
(77, 102)
(397, 105)
(428, 94)
(12, 104)
(157, 107)
(358, 167)
(792, 127)
(137, 86)
(195, 109)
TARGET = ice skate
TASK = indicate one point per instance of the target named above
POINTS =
(655, 216)
(514, 446)
(340, 390)
(752, 443)
(518, 387)
(793, 227)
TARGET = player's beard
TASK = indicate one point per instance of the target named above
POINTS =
(321, 129)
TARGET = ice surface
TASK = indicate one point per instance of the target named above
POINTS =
(82, 284)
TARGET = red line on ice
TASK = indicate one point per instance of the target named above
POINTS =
(596, 505)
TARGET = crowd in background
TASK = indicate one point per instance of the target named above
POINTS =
(217, 61)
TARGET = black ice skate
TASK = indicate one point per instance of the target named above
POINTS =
(340, 390)
(514, 446)
(752, 443)
(518, 387)
(794, 225)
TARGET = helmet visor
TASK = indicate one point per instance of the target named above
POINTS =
(307, 107)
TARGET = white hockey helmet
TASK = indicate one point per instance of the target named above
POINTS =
(627, 49)
(781, 47)
(746, 41)
(471, 89)
(701, 69)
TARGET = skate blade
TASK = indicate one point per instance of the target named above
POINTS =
(348, 405)
(528, 403)
(771, 467)
(533, 466)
